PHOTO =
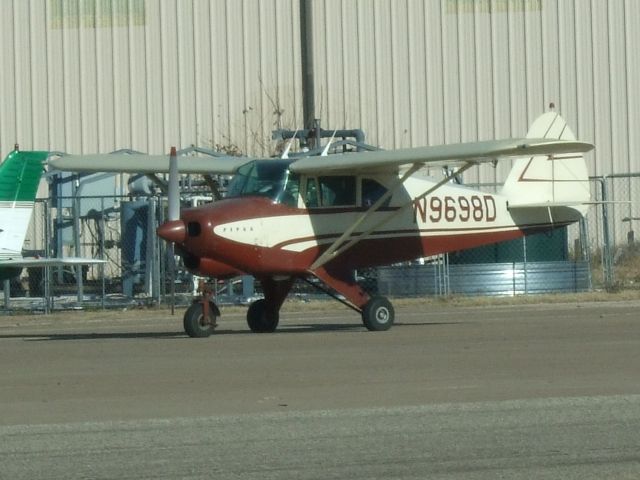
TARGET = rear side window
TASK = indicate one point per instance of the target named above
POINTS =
(372, 191)
(337, 191)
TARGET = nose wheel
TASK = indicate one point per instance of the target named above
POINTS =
(197, 323)
(378, 314)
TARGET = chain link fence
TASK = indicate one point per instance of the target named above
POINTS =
(600, 252)
(613, 230)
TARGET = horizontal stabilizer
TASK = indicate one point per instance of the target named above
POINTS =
(566, 204)
(48, 262)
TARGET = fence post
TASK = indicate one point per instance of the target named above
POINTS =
(7, 294)
(585, 253)
(76, 243)
(162, 255)
(148, 248)
(607, 261)
(102, 255)
(156, 276)
(46, 277)
(524, 258)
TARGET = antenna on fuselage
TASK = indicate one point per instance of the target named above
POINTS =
(325, 151)
(285, 154)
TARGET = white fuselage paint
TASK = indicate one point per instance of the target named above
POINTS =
(450, 210)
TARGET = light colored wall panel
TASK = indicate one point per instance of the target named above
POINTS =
(601, 92)
(367, 79)
(286, 87)
(186, 69)
(434, 55)
(143, 74)
(451, 78)
(23, 73)
(401, 75)
(39, 129)
(584, 121)
(632, 42)
(618, 86)
(8, 93)
(138, 80)
(416, 95)
(89, 57)
(203, 69)
(153, 92)
(468, 78)
(171, 92)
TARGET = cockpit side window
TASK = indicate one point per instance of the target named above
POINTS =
(289, 195)
(337, 191)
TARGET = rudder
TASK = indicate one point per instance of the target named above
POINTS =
(19, 179)
(563, 180)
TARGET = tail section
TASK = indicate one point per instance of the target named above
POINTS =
(542, 181)
(19, 179)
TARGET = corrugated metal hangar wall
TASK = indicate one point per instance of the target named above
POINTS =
(99, 75)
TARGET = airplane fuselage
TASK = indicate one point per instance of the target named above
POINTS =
(256, 235)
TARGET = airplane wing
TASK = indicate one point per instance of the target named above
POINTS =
(389, 160)
(139, 163)
(48, 262)
(440, 155)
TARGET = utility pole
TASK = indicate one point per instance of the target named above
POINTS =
(306, 50)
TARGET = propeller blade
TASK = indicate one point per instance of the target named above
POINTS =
(174, 188)
(173, 214)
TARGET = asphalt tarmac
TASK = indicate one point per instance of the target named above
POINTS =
(529, 391)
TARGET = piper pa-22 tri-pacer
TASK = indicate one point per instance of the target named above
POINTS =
(326, 216)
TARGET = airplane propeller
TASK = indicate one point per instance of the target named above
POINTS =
(173, 214)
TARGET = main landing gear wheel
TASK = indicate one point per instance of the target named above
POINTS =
(194, 322)
(378, 314)
(260, 319)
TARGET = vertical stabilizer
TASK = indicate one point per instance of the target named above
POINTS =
(561, 180)
(19, 179)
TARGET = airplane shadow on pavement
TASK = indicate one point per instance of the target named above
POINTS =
(288, 329)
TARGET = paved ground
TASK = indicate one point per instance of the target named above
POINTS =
(548, 391)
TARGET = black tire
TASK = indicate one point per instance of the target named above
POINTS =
(260, 319)
(378, 314)
(194, 321)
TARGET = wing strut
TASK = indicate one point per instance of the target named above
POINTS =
(338, 246)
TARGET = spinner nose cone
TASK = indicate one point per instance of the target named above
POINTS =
(173, 231)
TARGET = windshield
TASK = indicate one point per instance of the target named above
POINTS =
(266, 178)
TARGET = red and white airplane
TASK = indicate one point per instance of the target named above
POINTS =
(326, 216)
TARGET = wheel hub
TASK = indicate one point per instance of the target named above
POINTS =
(382, 315)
